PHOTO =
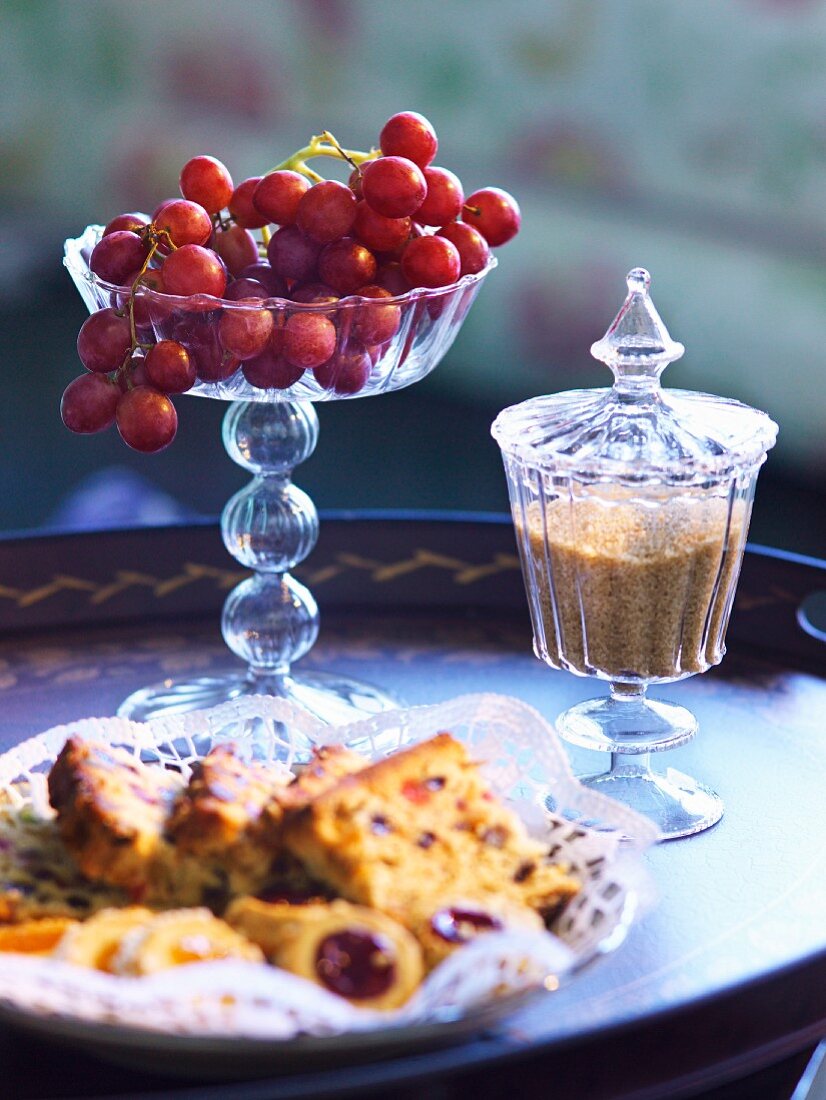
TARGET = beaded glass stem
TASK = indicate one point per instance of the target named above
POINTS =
(270, 620)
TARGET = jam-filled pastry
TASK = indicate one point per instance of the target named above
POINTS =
(95, 942)
(179, 937)
(35, 937)
(423, 824)
(443, 927)
(358, 953)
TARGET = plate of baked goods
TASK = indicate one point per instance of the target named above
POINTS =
(240, 889)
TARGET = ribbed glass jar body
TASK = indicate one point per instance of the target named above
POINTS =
(633, 584)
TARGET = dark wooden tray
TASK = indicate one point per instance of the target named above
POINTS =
(724, 977)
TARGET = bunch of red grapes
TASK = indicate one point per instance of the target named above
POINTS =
(399, 223)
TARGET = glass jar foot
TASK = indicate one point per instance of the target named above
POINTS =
(627, 722)
(334, 700)
(677, 804)
(631, 726)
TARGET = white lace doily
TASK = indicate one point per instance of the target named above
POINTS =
(525, 763)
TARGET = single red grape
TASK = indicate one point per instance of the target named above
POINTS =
(292, 255)
(391, 277)
(206, 181)
(104, 340)
(194, 270)
(245, 332)
(212, 362)
(315, 294)
(393, 186)
(309, 339)
(271, 371)
(494, 213)
(409, 134)
(278, 194)
(431, 262)
(146, 419)
(194, 317)
(346, 372)
(117, 256)
(134, 374)
(354, 183)
(263, 273)
(241, 205)
(346, 265)
(444, 199)
(133, 223)
(245, 288)
(380, 234)
(236, 246)
(376, 352)
(186, 222)
(326, 212)
(88, 403)
(152, 278)
(375, 324)
(195, 325)
(474, 250)
(169, 367)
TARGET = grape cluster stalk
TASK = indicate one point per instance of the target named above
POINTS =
(217, 281)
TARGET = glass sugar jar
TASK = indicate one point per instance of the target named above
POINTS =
(631, 507)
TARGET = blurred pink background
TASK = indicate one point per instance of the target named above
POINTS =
(686, 138)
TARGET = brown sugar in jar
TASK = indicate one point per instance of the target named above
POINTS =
(641, 590)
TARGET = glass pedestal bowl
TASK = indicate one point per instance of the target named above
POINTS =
(271, 620)
(631, 507)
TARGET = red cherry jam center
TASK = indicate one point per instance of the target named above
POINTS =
(463, 925)
(356, 964)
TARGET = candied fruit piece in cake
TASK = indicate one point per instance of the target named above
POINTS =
(423, 823)
(112, 811)
(355, 952)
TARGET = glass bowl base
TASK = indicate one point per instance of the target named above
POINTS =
(677, 804)
(334, 700)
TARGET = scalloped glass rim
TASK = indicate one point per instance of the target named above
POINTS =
(512, 431)
(417, 348)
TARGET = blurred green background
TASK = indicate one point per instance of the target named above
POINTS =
(689, 138)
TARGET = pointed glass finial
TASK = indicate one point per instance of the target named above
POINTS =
(637, 344)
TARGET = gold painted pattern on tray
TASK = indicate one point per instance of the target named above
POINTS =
(379, 572)
(100, 591)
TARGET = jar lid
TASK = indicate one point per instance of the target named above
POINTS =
(636, 431)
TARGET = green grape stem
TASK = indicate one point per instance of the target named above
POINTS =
(323, 145)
